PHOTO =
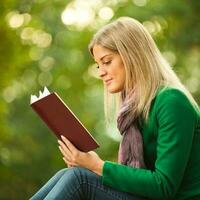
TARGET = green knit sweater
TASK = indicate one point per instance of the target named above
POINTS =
(171, 153)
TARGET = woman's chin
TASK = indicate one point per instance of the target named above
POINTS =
(113, 90)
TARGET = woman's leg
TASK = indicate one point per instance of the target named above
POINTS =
(81, 184)
(41, 194)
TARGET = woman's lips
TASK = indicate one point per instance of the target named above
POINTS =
(108, 82)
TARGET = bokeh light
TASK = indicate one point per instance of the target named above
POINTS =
(45, 78)
(140, 3)
(77, 16)
(170, 57)
(16, 20)
(106, 13)
(47, 63)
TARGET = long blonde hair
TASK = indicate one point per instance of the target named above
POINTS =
(146, 69)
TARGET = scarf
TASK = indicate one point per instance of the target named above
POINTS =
(131, 146)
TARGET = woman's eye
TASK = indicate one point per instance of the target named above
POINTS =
(104, 63)
(107, 63)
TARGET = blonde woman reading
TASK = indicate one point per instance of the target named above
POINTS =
(157, 117)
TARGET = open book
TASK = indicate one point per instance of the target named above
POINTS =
(61, 120)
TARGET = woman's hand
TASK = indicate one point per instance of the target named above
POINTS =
(73, 157)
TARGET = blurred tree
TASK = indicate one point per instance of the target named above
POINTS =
(45, 43)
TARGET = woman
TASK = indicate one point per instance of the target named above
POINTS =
(158, 118)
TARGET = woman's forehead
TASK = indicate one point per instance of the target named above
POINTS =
(100, 52)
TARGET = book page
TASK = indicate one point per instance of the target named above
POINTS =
(43, 94)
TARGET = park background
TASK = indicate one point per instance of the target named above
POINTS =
(44, 43)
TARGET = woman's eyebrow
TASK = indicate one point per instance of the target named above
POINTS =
(105, 56)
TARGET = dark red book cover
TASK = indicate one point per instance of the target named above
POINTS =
(62, 121)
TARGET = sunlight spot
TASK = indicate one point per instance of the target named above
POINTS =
(150, 26)
(79, 14)
(45, 78)
(84, 16)
(15, 90)
(17, 87)
(89, 3)
(15, 20)
(27, 18)
(38, 37)
(140, 3)
(9, 94)
(41, 39)
(170, 57)
(106, 13)
(47, 63)
(154, 27)
(27, 33)
(68, 16)
(28, 78)
(193, 84)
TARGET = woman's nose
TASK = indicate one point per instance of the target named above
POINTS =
(102, 72)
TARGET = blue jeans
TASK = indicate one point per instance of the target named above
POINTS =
(79, 184)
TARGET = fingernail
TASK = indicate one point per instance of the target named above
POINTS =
(62, 136)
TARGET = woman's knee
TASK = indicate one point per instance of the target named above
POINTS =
(85, 176)
(61, 171)
(79, 174)
(73, 173)
(71, 177)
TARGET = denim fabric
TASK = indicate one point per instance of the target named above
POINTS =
(79, 184)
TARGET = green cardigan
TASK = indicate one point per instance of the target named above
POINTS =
(171, 153)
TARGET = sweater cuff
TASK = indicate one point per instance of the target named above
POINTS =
(107, 173)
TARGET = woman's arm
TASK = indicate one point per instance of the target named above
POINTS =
(176, 122)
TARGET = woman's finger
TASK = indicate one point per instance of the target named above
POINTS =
(64, 147)
(64, 153)
(71, 147)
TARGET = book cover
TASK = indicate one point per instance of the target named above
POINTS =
(62, 121)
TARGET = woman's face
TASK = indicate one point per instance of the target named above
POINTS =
(111, 68)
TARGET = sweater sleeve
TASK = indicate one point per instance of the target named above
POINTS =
(176, 119)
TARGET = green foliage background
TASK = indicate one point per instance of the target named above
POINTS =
(29, 154)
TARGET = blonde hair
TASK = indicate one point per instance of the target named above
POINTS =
(146, 69)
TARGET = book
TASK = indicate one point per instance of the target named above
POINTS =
(61, 120)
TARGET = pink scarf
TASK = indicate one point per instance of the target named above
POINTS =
(131, 147)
